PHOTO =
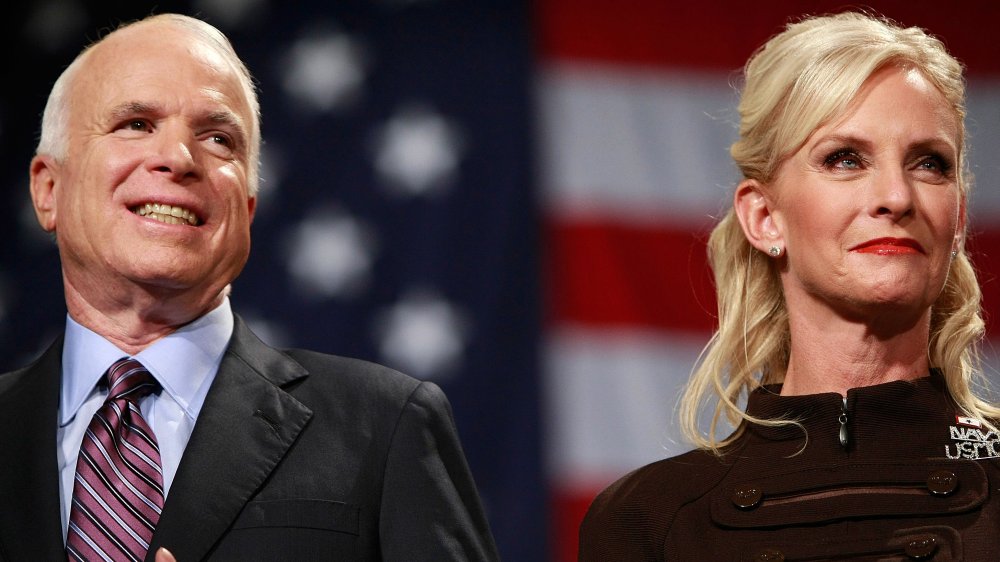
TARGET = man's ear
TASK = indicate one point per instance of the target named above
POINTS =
(754, 211)
(44, 174)
(252, 207)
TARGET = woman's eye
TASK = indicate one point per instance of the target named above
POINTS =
(935, 167)
(846, 159)
(934, 163)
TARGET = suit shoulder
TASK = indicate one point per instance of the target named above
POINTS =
(48, 359)
(630, 519)
(351, 375)
(11, 379)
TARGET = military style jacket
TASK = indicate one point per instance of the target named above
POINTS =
(894, 472)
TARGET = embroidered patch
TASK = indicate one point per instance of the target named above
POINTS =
(970, 441)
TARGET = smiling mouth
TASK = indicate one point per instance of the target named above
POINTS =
(167, 213)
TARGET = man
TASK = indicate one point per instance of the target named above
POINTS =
(146, 172)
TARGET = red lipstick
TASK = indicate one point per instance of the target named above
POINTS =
(889, 247)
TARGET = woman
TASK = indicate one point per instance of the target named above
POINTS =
(848, 322)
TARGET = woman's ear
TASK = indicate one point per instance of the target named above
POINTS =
(959, 242)
(756, 216)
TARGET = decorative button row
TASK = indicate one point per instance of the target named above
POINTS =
(916, 549)
(940, 483)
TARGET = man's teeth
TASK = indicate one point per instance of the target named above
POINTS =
(166, 213)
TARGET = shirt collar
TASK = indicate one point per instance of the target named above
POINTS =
(184, 362)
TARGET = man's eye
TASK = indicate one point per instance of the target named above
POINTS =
(137, 125)
(221, 139)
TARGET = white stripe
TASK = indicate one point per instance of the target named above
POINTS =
(634, 144)
(93, 493)
(983, 124)
(100, 552)
(142, 456)
(612, 396)
(643, 145)
(612, 399)
(121, 477)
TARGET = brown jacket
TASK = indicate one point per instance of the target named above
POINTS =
(915, 481)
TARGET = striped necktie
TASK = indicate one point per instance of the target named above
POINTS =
(118, 491)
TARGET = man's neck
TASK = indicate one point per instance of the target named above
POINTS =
(134, 321)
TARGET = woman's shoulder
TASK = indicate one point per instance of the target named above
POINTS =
(631, 518)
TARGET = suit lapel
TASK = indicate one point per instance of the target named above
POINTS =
(244, 429)
(30, 527)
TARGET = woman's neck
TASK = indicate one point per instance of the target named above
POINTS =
(833, 354)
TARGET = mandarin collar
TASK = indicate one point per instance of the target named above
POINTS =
(883, 407)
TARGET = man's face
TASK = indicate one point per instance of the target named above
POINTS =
(152, 193)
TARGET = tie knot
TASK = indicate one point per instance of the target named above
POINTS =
(127, 378)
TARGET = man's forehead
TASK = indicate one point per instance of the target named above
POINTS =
(127, 77)
(132, 47)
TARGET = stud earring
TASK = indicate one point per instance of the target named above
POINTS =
(954, 254)
(775, 251)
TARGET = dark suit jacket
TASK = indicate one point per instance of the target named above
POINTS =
(295, 456)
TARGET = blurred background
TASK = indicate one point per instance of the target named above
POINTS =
(508, 198)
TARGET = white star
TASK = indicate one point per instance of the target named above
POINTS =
(417, 151)
(330, 255)
(272, 172)
(422, 335)
(274, 335)
(324, 70)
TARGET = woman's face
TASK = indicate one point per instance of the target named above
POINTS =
(869, 208)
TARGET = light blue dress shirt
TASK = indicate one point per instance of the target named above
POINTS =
(184, 363)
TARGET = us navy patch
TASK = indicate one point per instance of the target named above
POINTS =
(971, 441)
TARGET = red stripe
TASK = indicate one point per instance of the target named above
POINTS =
(984, 248)
(568, 509)
(722, 35)
(610, 274)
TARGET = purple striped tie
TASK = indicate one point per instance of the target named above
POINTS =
(118, 492)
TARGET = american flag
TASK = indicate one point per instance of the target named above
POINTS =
(510, 199)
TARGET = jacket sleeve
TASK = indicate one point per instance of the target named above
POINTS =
(430, 508)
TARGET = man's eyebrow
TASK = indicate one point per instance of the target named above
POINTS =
(227, 118)
(130, 108)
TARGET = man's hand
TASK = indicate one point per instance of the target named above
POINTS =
(164, 555)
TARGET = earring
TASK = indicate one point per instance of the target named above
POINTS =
(954, 254)
(775, 251)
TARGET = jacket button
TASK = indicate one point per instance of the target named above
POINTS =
(746, 497)
(769, 555)
(921, 549)
(942, 482)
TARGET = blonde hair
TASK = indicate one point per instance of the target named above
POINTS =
(796, 82)
(54, 138)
